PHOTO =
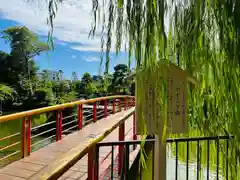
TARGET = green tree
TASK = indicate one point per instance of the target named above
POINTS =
(61, 86)
(119, 78)
(87, 78)
(18, 68)
(24, 45)
(3, 56)
(86, 84)
(6, 92)
(76, 86)
(19, 64)
(203, 38)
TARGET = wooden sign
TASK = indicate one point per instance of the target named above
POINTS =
(149, 108)
(150, 111)
(177, 101)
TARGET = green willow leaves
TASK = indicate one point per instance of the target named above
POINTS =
(201, 36)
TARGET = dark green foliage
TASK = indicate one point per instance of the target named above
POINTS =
(119, 81)
(23, 87)
(17, 68)
(203, 38)
(87, 78)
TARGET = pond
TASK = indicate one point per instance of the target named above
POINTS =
(171, 166)
(218, 150)
(192, 170)
(14, 127)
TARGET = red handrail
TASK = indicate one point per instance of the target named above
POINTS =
(61, 125)
(65, 162)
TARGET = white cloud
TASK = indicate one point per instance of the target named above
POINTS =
(90, 47)
(92, 59)
(72, 23)
(93, 48)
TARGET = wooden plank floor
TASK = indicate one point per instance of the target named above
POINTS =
(39, 160)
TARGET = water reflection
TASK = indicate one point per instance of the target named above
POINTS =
(192, 170)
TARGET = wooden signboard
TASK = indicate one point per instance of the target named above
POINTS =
(176, 101)
(177, 80)
(150, 111)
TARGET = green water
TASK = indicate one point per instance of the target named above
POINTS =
(224, 160)
(13, 127)
(233, 166)
(147, 172)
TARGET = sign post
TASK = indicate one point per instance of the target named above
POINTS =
(162, 109)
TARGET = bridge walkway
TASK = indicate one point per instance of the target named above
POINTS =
(32, 166)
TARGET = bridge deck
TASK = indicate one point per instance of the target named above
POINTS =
(38, 161)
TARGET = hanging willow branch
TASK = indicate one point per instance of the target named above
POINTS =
(202, 35)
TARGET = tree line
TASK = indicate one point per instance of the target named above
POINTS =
(23, 86)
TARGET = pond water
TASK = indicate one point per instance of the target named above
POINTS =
(171, 166)
(10, 128)
(192, 170)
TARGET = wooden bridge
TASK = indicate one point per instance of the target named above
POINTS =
(93, 139)
(70, 156)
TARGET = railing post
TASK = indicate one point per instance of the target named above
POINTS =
(105, 108)
(121, 147)
(57, 126)
(114, 107)
(29, 135)
(134, 130)
(60, 125)
(133, 102)
(120, 105)
(125, 103)
(96, 162)
(23, 143)
(90, 165)
(94, 112)
(80, 124)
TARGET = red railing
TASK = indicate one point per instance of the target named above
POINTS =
(57, 168)
(93, 166)
(62, 122)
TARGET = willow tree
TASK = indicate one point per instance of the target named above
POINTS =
(202, 37)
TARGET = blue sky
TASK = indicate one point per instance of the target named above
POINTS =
(73, 50)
